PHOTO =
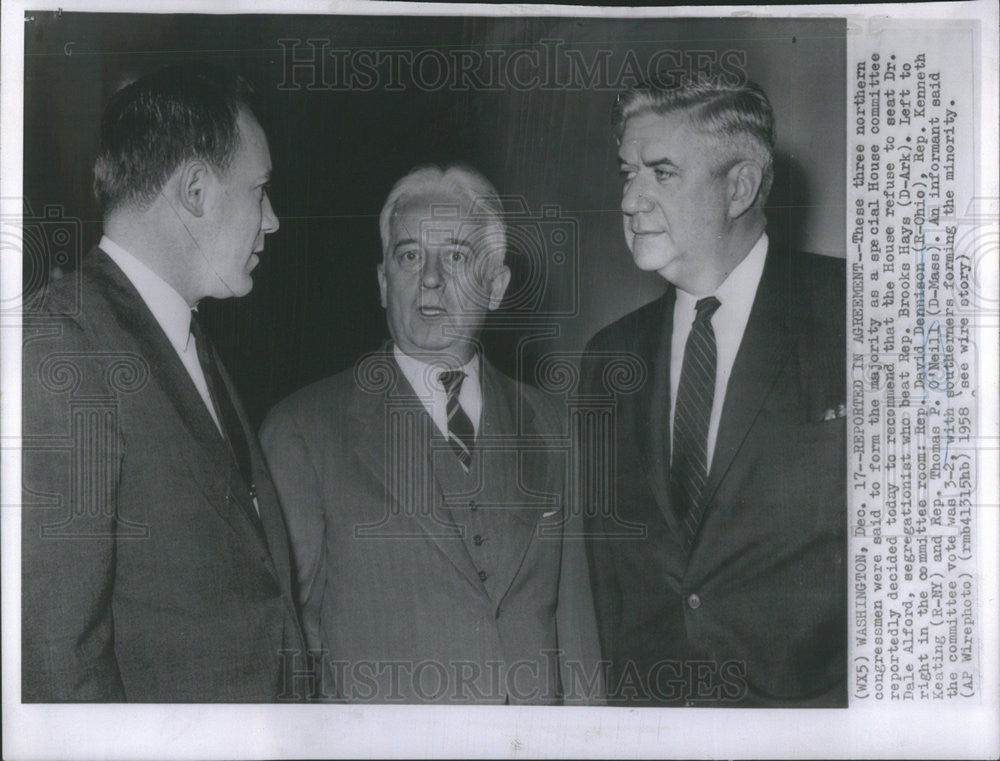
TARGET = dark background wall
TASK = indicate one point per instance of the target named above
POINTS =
(337, 148)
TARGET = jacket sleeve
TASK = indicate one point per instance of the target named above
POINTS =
(581, 670)
(593, 520)
(301, 496)
(71, 445)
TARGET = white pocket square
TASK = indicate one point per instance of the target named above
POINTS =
(833, 414)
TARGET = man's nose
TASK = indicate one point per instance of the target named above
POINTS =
(432, 274)
(269, 222)
(633, 198)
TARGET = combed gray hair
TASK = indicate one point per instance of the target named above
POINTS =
(738, 115)
(476, 196)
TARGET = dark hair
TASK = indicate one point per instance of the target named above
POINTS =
(737, 113)
(154, 124)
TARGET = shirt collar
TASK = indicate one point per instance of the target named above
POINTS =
(167, 305)
(423, 376)
(737, 290)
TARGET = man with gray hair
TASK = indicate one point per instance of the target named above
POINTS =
(731, 458)
(423, 493)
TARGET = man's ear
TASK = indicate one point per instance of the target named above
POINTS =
(381, 283)
(744, 179)
(498, 287)
(192, 184)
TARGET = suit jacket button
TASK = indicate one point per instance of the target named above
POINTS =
(694, 602)
(482, 576)
(477, 539)
(472, 505)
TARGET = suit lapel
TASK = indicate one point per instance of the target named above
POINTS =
(210, 460)
(763, 354)
(511, 418)
(391, 434)
(134, 317)
(273, 540)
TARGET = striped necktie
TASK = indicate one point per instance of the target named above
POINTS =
(225, 409)
(695, 393)
(461, 434)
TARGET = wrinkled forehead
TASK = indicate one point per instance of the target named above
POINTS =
(435, 218)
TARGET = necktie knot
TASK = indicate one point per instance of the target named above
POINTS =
(201, 345)
(452, 381)
(705, 308)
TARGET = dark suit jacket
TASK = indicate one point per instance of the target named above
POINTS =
(385, 580)
(143, 578)
(756, 613)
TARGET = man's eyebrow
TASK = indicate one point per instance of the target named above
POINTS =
(658, 162)
(265, 177)
(404, 242)
(652, 163)
(431, 236)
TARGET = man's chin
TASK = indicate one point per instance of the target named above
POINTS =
(441, 351)
(235, 289)
(649, 258)
(243, 287)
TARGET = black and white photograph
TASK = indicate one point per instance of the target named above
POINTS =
(394, 364)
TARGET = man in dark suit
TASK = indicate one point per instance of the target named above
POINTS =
(718, 563)
(424, 491)
(155, 562)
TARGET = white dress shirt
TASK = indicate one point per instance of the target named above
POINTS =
(735, 295)
(426, 383)
(171, 312)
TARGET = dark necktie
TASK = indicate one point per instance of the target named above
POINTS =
(226, 412)
(462, 435)
(695, 392)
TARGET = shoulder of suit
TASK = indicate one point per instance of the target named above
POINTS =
(824, 277)
(70, 312)
(543, 405)
(819, 321)
(317, 411)
(71, 298)
(325, 398)
(819, 284)
(627, 329)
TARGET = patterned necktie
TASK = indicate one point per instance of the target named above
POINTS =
(461, 434)
(226, 412)
(695, 393)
